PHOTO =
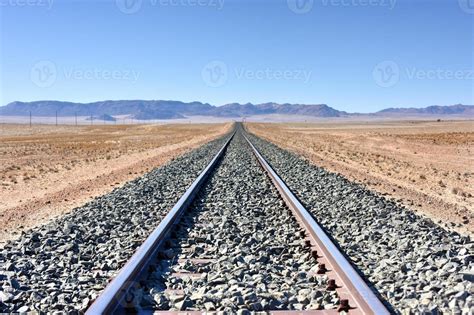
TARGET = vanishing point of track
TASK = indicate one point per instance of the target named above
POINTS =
(355, 296)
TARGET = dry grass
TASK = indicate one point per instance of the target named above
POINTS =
(428, 166)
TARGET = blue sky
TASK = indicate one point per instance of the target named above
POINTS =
(354, 55)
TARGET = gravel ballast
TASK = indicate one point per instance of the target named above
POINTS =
(237, 248)
(415, 264)
(62, 266)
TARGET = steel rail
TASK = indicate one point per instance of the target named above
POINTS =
(112, 299)
(361, 298)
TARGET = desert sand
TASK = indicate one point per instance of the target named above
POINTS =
(426, 165)
(47, 170)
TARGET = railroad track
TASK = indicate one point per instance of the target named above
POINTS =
(223, 247)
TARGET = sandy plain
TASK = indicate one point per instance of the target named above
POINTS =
(427, 166)
(47, 170)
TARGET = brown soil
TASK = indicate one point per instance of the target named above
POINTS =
(45, 171)
(425, 165)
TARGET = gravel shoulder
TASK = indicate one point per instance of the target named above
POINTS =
(415, 264)
(48, 170)
(63, 265)
(425, 165)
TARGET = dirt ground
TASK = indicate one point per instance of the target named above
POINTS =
(45, 171)
(425, 165)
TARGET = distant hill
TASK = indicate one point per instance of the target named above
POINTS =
(145, 110)
(136, 108)
(238, 110)
(459, 109)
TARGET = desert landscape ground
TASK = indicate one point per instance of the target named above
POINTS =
(50, 172)
(426, 165)
(47, 170)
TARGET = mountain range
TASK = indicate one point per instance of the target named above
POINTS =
(465, 110)
(159, 109)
